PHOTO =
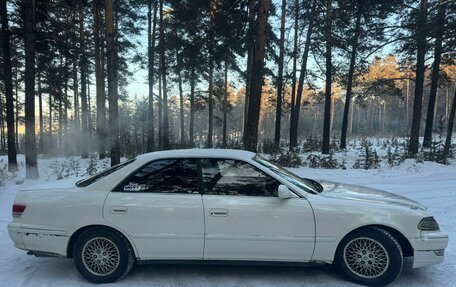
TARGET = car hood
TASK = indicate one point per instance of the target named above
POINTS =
(58, 184)
(360, 193)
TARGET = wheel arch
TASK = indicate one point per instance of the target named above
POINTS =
(406, 246)
(78, 232)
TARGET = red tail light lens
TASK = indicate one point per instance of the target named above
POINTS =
(18, 209)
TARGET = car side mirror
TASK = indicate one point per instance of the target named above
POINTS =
(284, 192)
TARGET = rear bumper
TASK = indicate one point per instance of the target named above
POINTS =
(38, 240)
(429, 248)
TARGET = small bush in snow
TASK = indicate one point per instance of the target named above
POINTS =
(316, 161)
(394, 158)
(65, 169)
(92, 166)
(434, 152)
(287, 158)
(368, 157)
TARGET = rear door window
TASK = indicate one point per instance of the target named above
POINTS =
(164, 176)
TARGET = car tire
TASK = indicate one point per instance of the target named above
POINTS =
(103, 255)
(369, 256)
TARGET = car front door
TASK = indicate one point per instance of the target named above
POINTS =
(245, 220)
(161, 208)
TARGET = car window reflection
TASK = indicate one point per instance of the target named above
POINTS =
(233, 177)
(165, 176)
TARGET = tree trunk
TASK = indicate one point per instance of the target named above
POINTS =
(256, 81)
(16, 93)
(293, 131)
(407, 104)
(250, 55)
(83, 67)
(113, 96)
(160, 112)
(351, 71)
(99, 86)
(8, 78)
(210, 103)
(225, 106)
(181, 103)
(163, 74)
(327, 115)
(65, 112)
(40, 115)
(29, 45)
(212, 11)
(76, 123)
(151, 24)
(60, 107)
(89, 105)
(435, 73)
(50, 142)
(419, 78)
(192, 107)
(75, 97)
(446, 148)
(280, 75)
(294, 123)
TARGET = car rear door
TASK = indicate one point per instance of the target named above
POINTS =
(245, 220)
(161, 208)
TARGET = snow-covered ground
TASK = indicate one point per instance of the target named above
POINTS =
(429, 183)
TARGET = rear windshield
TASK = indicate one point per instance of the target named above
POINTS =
(88, 181)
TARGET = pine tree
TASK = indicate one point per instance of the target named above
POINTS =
(29, 45)
(328, 74)
(420, 38)
(439, 31)
(113, 96)
(256, 80)
(280, 75)
(151, 62)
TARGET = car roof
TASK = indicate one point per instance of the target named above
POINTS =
(198, 152)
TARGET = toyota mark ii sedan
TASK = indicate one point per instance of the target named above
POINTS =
(220, 206)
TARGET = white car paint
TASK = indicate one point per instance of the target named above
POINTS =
(305, 228)
(258, 228)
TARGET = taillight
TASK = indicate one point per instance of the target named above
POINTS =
(18, 209)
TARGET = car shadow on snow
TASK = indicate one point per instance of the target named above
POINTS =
(61, 272)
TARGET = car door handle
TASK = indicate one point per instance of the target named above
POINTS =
(118, 209)
(218, 212)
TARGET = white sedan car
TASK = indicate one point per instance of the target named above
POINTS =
(221, 206)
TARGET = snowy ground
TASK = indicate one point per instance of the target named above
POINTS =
(429, 183)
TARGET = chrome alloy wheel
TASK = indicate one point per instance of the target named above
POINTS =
(100, 256)
(366, 257)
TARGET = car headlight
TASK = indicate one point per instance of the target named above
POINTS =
(428, 224)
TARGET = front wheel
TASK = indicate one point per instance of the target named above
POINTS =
(369, 256)
(103, 255)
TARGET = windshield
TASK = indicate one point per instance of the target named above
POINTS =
(300, 182)
(100, 175)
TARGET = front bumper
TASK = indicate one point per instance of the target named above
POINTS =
(429, 248)
(38, 240)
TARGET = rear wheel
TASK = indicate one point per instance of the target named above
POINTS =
(102, 255)
(369, 256)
